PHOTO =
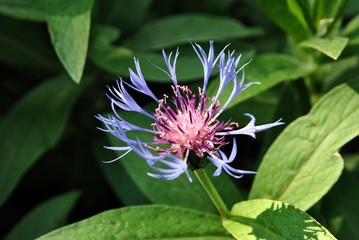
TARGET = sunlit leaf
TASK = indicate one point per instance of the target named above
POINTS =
(331, 47)
(303, 163)
(272, 220)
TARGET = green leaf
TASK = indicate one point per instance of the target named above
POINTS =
(270, 70)
(279, 12)
(117, 177)
(293, 102)
(118, 59)
(44, 218)
(105, 33)
(123, 186)
(332, 47)
(327, 9)
(179, 191)
(340, 71)
(33, 10)
(300, 9)
(351, 31)
(33, 125)
(351, 162)
(351, 8)
(127, 15)
(352, 48)
(181, 29)
(303, 163)
(272, 220)
(27, 51)
(145, 222)
(341, 206)
(69, 28)
(352, 28)
(262, 106)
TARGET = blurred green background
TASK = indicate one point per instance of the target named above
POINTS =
(56, 58)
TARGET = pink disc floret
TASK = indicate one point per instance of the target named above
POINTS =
(189, 124)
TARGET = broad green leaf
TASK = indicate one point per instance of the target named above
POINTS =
(69, 27)
(118, 59)
(181, 29)
(117, 177)
(153, 222)
(303, 163)
(179, 191)
(33, 125)
(332, 47)
(272, 220)
(279, 12)
(46, 217)
(270, 70)
(33, 10)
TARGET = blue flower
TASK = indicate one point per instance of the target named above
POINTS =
(222, 161)
(188, 123)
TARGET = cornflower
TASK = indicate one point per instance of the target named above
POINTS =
(186, 131)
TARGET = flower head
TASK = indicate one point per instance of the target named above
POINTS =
(185, 124)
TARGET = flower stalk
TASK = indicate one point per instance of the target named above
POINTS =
(212, 192)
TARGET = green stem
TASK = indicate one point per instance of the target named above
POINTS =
(212, 192)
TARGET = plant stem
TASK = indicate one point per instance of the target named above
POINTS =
(212, 192)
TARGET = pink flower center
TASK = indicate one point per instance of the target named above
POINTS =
(191, 125)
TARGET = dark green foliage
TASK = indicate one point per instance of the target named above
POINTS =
(57, 56)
